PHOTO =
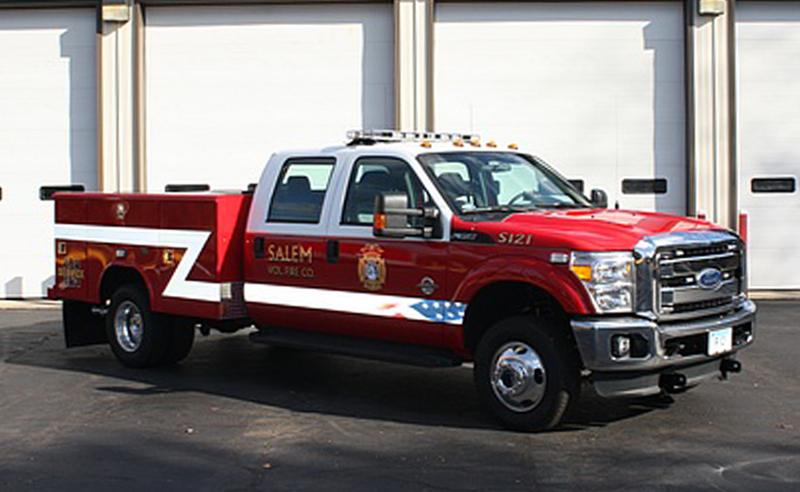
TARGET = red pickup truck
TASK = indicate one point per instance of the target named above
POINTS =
(429, 249)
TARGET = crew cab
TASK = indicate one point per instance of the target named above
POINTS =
(429, 249)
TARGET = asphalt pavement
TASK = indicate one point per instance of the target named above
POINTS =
(236, 416)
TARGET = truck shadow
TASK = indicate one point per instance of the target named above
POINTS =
(231, 366)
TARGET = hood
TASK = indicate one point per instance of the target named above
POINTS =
(587, 229)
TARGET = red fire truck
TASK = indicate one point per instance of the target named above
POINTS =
(429, 249)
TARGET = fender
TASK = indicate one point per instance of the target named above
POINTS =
(556, 280)
(129, 267)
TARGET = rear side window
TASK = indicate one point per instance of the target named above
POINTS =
(300, 191)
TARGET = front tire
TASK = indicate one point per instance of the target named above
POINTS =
(138, 337)
(526, 376)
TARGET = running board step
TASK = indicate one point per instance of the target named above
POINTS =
(415, 355)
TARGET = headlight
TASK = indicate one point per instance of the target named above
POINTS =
(608, 277)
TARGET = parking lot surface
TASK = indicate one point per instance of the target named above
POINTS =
(239, 416)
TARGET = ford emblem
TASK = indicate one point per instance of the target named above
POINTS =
(709, 279)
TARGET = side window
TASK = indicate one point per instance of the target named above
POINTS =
(300, 190)
(373, 175)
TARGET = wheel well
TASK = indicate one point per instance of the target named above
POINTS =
(115, 277)
(504, 299)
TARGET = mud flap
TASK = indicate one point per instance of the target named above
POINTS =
(81, 326)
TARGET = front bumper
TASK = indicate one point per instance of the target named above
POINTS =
(669, 347)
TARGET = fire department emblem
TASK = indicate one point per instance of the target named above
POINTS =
(372, 267)
(71, 273)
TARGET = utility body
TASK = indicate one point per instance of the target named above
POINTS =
(415, 248)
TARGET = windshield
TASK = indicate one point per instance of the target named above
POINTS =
(485, 182)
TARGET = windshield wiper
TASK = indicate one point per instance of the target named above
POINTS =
(498, 209)
(558, 205)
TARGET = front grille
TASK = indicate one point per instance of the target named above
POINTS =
(694, 306)
(698, 279)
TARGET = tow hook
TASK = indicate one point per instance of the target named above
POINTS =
(672, 382)
(729, 366)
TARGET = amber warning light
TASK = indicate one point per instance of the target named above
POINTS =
(380, 221)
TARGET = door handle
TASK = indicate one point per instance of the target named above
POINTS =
(333, 251)
(258, 248)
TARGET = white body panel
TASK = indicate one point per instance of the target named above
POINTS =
(48, 128)
(769, 125)
(595, 89)
(228, 86)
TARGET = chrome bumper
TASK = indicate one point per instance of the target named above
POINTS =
(594, 336)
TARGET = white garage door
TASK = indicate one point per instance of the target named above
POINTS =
(769, 138)
(596, 89)
(47, 134)
(228, 86)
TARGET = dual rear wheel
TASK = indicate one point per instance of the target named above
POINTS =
(141, 338)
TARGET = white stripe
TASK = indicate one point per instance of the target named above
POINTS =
(192, 241)
(411, 308)
(418, 309)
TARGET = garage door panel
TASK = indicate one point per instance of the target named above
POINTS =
(47, 133)
(601, 83)
(232, 85)
(380, 97)
(771, 270)
(768, 36)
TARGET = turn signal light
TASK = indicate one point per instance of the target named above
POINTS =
(427, 145)
(583, 272)
(380, 221)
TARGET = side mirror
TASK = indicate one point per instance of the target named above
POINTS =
(392, 214)
(599, 199)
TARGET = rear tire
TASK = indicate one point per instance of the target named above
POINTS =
(526, 376)
(181, 339)
(138, 337)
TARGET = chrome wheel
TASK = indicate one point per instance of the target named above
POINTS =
(128, 326)
(518, 376)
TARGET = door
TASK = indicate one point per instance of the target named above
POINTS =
(768, 36)
(393, 289)
(229, 85)
(594, 88)
(286, 247)
(48, 134)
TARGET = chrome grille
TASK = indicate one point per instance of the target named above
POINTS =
(698, 279)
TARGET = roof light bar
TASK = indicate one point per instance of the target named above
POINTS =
(402, 136)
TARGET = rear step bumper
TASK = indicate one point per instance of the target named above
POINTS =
(415, 355)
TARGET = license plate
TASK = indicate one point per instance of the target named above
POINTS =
(720, 341)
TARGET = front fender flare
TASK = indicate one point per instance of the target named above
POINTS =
(556, 280)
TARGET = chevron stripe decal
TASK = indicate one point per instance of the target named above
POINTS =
(192, 241)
